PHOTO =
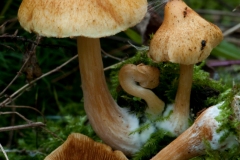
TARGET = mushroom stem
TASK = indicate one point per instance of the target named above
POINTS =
(147, 77)
(191, 143)
(182, 100)
(112, 124)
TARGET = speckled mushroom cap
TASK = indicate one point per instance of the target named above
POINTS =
(78, 146)
(184, 37)
(148, 76)
(89, 18)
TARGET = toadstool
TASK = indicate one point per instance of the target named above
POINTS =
(185, 38)
(78, 146)
(147, 77)
(88, 21)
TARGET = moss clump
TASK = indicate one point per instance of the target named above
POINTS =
(229, 154)
(204, 89)
(229, 124)
(156, 142)
(227, 118)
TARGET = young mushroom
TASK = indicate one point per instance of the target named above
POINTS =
(88, 20)
(205, 130)
(185, 38)
(147, 77)
(78, 146)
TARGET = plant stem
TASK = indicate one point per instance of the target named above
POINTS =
(182, 100)
(108, 120)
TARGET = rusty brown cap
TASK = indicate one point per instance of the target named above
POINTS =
(184, 37)
(89, 18)
(78, 146)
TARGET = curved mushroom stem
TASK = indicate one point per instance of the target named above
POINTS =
(180, 116)
(191, 143)
(112, 124)
(147, 77)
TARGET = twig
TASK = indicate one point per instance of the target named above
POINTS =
(231, 30)
(224, 4)
(29, 152)
(122, 48)
(10, 134)
(18, 38)
(11, 128)
(28, 107)
(8, 100)
(235, 41)
(216, 12)
(20, 115)
(23, 39)
(14, 98)
(219, 63)
(236, 8)
(52, 133)
(26, 61)
(8, 21)
(65, 74)
(109, 55)
(7, 46)
(4, 152)
(112, 66)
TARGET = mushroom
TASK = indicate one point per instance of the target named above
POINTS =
(147, 77)
(185, 38)
(89, 20)
(78, 146)
(205, 129)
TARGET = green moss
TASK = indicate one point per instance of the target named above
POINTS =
(156, 142)
(228, 125)
(204, 90)
(226, 118)
(230, 154)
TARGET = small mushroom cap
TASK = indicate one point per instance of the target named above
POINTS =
(148, 76)
(89, 18)
(184, 37)
(78, 146)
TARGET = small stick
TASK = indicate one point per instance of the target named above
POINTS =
(28, 107)
(8, 100)
(52, 133)
(23, 39)
(217, 12)
(4, 152)
(112, 66)
(109, 55)
(8, 21)
(20, 115)
(231, 30)
(11, 128)
(26, 61)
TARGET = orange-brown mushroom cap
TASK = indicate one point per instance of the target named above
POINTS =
(184, 37)
(78, 146)
(89, 18)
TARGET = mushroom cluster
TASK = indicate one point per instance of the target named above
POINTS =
(186, 38)
(183, 38)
